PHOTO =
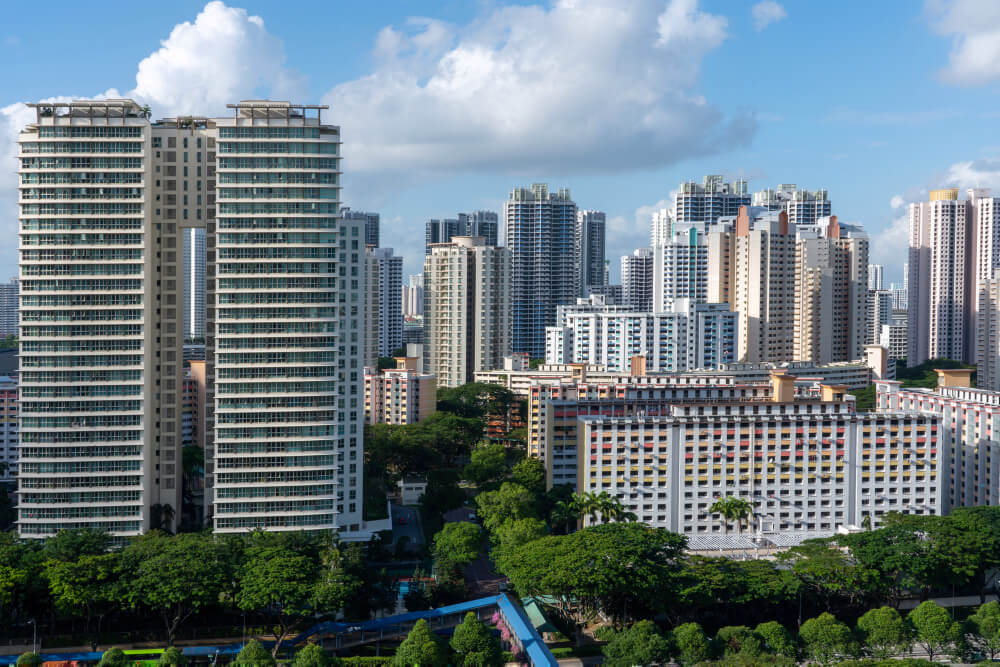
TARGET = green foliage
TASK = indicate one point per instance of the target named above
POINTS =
(529, 472)
(826, 639)
(620, 570)
(386, 362)
(277, 582)
(732, 509)
(739, 639)
(777, 639)
(599, 505)
(29, 658)
(172, 657)
(86, 586)
(311, 655)
(254, 655)
(606, 633)
(692, 644)
(113, 657)
(923, 376)
(510, 501)
(457, 543)
(513, 534)
(487, 465)
(70, 545)
(983, 629)
(884, 632)
(9, 342)
(476, 400)
(935, 631)
(474, 644)
(421, 647)
(864, 399)
(641, 644)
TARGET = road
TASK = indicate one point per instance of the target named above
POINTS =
(411, 528)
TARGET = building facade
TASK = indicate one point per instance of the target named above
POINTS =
(194, 283)
(9, 439)
(637, 279)
(875, 276)
(390, 309)
(540, 228)
(9, 308)
(400, 395)
(467, 309)
(590, 231)
(413, 296)
(680, 266)
(371, 221)
(478, 223)
(802, 206)
(710, 200)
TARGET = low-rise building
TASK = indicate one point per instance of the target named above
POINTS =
(9, 439)
(969, 434)
(401, 395)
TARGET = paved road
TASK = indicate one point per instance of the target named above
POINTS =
(411, 528)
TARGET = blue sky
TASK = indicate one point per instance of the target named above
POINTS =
(446, 106)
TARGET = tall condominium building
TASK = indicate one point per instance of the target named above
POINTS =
(390, 310)
(875, 274)
(939, 308)
(637, 279)
(690, 336)
(879, 314)
(194, 283)
(893, 338)
(413, 296)
(967, 441)
(541, 229)
(370, 339)
(400, 395)
(371, 221)
(680, 266)
(710, 200)
(467, 313)
(802, 206)
(590, 230)
(831, 290)
(477, 223)
(661, 227)
(9, 308)
(102, 419)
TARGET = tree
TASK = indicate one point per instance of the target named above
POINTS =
(487, 465)
(88, 585)
(29, 658)
(457, 543)
(475, 645)
(113, 657)
(827, 571)
(172, 657)
(935, 631)
(510, 501)
(514, 533)
(442, 493)
(777, 639)
(740, 639)
(311, 655)
(161, 517)
(983, 629)
(826, 638)
(279, 583)
(421, 647)
(621, 570)
(692, 644)
(174, 577)
(253, 654)
(732, 509)
(884, 632)
(641, 644)
(70, 545)
(529, 472)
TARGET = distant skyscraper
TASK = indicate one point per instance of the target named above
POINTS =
(194, 282)
(371, 307)
(541, 229)
(413, 296)
(478, 223)
(467, 310)
(875, 274)
(8, 308)
(680, 266)
(637, 279)
(661, 228)
(590, 230)
(879, 314)
(390, 310)
(710, 200)
(371, 224)
(802, 206)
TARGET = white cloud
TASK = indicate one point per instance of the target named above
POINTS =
(896, 201)
(581, 85)
(973, 174)
(889, 246)
(765, 13)
(974, 27)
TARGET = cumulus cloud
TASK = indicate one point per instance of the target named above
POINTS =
(896, 201)
(973, 174)
(583, 84)
(889, 246)
(765, 13)
(974, 28)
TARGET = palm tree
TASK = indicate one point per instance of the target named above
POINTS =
(742, 510)
(161, 516)
(565, 513)
(146, 111)
(732, 509)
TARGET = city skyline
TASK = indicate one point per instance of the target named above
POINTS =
(762, 137)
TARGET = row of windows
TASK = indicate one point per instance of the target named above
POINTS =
(275, 506)
(79, 452)
(275, 476)
(277, 327)
(54, 377)
(278, 223)
(81, 270)
(88, 300)
(98, 285)
(273, 298)
(240, 252)
(256, 388)
(102, 238)
(80, 392)
(81, 497)
(278, 373)
(82, 178)
(77, 421)
(222, 417)
(265, 522)
(274, 447)
(276, 267)
(230, 178)
(81, 209)
(235, 147)
(90, 131)
(82, 224)
(79, 436)
(279, 193)
(272, 432)
(277, 491)
(89, 254)
(84, 147)
(260, 238)
(225, 463)
(285, 343)
(104, 526)
(81, 193)
(276, 313)
(81, 163)
(270, 208)
(276, 283)
(260, 163)
(67, 483)
(71, 362)
(80, 467)
(269, 133)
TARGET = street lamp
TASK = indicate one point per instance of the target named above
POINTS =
(34, 636)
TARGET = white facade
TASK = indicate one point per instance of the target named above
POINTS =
(688, 337)
(637, 279)
(413, 296)
(8, 308)
(680, 266)
(879, 314)
(194, 283)
(802, 206)
(875, 274)
(710, 200)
